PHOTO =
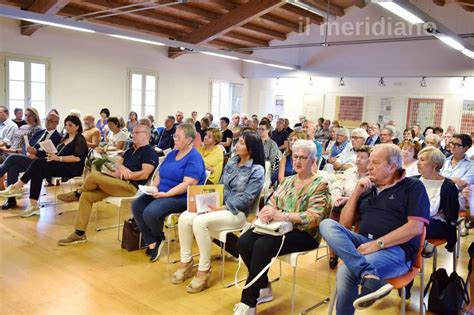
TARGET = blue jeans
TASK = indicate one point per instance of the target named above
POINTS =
(386, 263)
(150, 213)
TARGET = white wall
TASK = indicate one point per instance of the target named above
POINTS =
(89, 71)
(323, 92)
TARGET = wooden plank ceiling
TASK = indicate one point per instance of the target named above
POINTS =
(223, 24)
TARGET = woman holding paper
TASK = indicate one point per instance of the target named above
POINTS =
(181, 168)
(243, 180)
(303, 200)
(67, 161)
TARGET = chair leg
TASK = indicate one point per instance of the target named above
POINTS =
(403, 306)
(454, 261)
(333, 302)
(458, 243)
(422, 287)
(435, 259)
(293, 291)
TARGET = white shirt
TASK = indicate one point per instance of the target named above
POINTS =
(7, 129)
(470, 153)
(347, 156)
(433, 189)
(412, 169)
(114, 138)
(346, 185)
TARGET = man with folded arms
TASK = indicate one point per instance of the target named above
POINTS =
(138, 164)
(392, 211)
(18, 163)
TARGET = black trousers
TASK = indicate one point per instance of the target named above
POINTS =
(41, 169)
(13, 166)
(258, 250)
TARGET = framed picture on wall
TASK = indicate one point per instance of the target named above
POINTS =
(467, 117)
(424, 112)
(349, 110)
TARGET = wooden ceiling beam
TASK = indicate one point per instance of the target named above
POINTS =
(293, 27)
(250, 41)
(266, 31)
(47, 7)
(314, 18)
(227, 22)
(105, 4)
(323, 5)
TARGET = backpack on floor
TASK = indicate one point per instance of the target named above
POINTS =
(447, 293)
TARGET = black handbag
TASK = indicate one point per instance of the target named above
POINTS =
(131, 239)
(447, 293)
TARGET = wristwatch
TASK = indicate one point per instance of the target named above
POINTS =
(380, 243)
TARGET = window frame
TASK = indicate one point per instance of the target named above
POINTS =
(27, 60)
(144, 74)
(231, 97)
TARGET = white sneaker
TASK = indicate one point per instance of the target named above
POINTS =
(31, 210)
(244, 309)
(266, 295)
(11, 192)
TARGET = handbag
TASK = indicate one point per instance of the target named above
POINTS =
(276, 228)
(131, 238)
(447, 293)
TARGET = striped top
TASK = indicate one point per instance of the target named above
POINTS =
(312, 202)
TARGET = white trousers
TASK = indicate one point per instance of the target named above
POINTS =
(200, 225)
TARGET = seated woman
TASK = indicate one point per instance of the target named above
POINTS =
(115, 139)
(302, 199)
(243, 180)
(181, 168)
(132, 121)
(213, 155)
(410, 151)
(443, 194)
(17, 143)
(272, 153)
(68, 162)
(286, 163)
(343, 188)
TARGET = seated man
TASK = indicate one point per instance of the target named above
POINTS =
(18, 163)
(138, 164)
(165, 140)
(7, 127)
(392, 211)
(91, 132)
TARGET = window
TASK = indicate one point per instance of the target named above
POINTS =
(27, 84)
(226, 99)
(143, 93)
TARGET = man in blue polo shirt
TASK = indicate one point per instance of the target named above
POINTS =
(392, 210)
(139, 162)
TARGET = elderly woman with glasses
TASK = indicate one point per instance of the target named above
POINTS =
(302, 199)
(181, 168)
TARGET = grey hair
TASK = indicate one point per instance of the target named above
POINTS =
(435, 156)
(359, 132)
(146, 127)
(342, 131)
(394, 154)
(433, 137)
(306, 145)
(189, 130)
(390, 129)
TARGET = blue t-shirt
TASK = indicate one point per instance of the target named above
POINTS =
(133, 160)
(172, 171)
(391, 208)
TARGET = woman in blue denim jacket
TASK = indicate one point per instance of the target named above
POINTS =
(243, 179)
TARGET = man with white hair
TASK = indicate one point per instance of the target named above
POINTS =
(243, 118)
(392, 211)
(373, 131)
(91, 133)
(348, 157)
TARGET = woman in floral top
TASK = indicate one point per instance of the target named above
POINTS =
(302, 199)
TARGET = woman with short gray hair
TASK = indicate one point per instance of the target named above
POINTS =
(443, 195)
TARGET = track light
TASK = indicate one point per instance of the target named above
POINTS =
(382, 82)
(341, 82)
(277, 81)
(423, 82)
(463, 82)
(400, 11)
(310, 81)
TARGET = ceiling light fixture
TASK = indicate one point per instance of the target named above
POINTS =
(400, 11)
(310, 81)
(449, 41)
(279, 66)
(134, 39)
(382, 82)
(341, 82)
(60, 25)
(219, 55)
(463, 82)
(277, 81)
(252, 61)
(423, 82)
(468, 53)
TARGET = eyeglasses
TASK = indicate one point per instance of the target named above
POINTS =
(299, 157)
(136, 132)
(455, 144)
(355, 137)
(261, 129)
(175, 137)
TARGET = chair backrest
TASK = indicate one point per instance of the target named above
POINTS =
(255, 205)
(268, 177)
(419, 259)
(208, 174)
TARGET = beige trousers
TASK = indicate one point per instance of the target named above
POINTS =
(199, 225)
(97, 187)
